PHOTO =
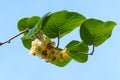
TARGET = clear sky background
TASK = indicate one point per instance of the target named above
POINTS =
(17, 64)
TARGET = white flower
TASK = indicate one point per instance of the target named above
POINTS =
(36, 47)
(37, 42)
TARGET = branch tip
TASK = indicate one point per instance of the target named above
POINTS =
(9, 40)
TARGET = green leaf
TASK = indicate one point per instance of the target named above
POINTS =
(61, 23)
(37, 25)
(59, 63)
(75, 47)
(30, 33)
(27, 23)
(27, 41)
(96, 31)
(22, 24)
(33, 21)
(42, 19)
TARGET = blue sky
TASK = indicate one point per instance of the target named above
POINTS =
(17, 64)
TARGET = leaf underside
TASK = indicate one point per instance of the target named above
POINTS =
(96, 31)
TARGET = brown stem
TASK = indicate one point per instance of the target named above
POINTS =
(40, 35)
(8, 41)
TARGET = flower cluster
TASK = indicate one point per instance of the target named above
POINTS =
(45, 49)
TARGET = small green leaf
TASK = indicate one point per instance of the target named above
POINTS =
(33, 21)
(29, 34)
(75, 47)
(37, 25)
(61, 23)
(42, 19)
(22, 24)
(96, 31)
(27, 41)
(27, 23)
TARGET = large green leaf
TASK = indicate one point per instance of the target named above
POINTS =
(27, 41)
(78, 51)
(96, 31)
(27, 23)
(59, 63)
(61, 23)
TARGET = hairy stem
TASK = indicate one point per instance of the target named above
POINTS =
(9, 40)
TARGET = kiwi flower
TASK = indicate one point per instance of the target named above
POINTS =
(36, 48)
(45, 49)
